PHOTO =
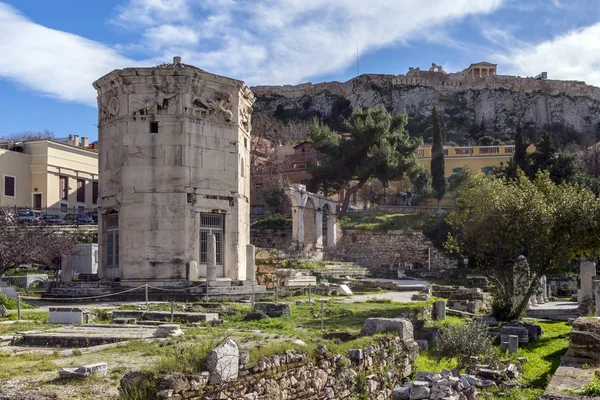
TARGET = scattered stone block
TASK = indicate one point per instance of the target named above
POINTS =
(3, 311)
(401, 326)
(65, 316)
(519, 331)
(86, 370)
(273, 310)
(223, 362)
(584, 339)
(401, 393)
(345, 291)
(440, 310)
(419, 392)
(124, 321)
(131, 379)
(168, 330)
(513, 344)
(512, 371)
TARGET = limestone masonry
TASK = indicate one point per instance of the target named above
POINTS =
(174, 170)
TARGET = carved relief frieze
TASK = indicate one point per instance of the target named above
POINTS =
(216, 106)
(162, 102)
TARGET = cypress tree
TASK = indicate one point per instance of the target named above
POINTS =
(438, 175)
(520, 154)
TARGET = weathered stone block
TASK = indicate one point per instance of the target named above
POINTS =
(401, 326)
(273, 310)
(223, 362)
(65, 315)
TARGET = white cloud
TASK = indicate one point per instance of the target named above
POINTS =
(170, 35)
(52, 62)
(260, 41)
(573, 55)
(274, 42)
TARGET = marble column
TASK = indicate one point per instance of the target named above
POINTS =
(211, 258)
(250, 263)
(513, 344)
(298, 225)
(439, 308)
(597, 294)
(587, 273)
(193, 273)
(319, 228)
(331, 230)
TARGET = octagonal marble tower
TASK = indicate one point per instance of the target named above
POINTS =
(174, 166)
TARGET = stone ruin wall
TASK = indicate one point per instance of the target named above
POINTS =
(295, 376)
(437, 80)
(376, 249)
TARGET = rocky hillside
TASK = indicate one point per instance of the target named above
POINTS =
(569, 109)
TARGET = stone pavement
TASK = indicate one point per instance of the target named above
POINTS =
(566, 379)
(555, 310)
(85, 335)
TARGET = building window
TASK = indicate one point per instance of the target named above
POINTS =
(95, 192)
(211, 223)
(80, 191)
(80, 209)
(112, 240)
(260, 195)
(487, 170)
(10, 186)
(242, 167)
(63, 187)
(64, 207)
(153, 127)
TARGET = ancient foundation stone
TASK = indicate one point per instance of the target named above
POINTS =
(585, 338)
(168, 330)
(439, 308)
(223, 362)
(273, 310)
(401, 326)
(65, 315)
(86, 370)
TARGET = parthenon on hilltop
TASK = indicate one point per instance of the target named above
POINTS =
(480, 75)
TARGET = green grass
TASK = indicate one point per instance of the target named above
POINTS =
(591, 389)
(347, 316)
(11, 304)
(380, 223)
(545, 353)
(543, 359)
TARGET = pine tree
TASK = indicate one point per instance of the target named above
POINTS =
(437, 157)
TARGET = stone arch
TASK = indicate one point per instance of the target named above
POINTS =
(307, 218)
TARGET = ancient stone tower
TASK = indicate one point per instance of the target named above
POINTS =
(174, 167)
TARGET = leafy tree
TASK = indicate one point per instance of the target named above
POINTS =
(550, 224)
(422, 184)
(438, 175)
(457, 179)
(378, 147)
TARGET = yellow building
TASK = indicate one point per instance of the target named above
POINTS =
(477, 158)
(60, 177)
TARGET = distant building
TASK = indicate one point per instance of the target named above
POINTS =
(481, 69)
(45, 174)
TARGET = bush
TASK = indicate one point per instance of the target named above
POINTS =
(273, 222)
(11, 304)
(463, 341)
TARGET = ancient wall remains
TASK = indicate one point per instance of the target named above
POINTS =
(376, 249)
(441, 81)
(294, 376)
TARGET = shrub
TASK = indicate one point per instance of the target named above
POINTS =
(463, 341)
(11, 304)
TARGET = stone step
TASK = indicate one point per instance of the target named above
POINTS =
(142, 315)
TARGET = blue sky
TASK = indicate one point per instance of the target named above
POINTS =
(52, 51)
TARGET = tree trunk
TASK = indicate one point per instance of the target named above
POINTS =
(349, 193)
